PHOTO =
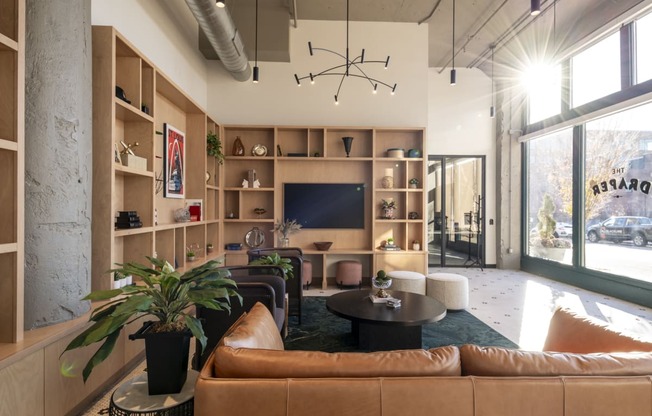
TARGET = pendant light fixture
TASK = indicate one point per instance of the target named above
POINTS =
(220, 4)
(492, 110)
(256, 71)
(535, 7)
(453, 72)
(350, 67)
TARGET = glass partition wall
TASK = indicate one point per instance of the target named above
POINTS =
(456, 211)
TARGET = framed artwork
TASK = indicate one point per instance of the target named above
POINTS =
(174, 162)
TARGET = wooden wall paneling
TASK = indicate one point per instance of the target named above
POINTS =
(21, 387)
(137, 246)
(164, 242)
(147, 87)
(210, 207)
(138, 196)
(8, 101)
(316, 142)
(9, 20)
(196, 157)
(196, 236)
(62, 394)
(8, 297)
(291, 140)
(180, 245)
(213, 237)
(128, 77)
(231, 204)
(404, 261)
(9, 195)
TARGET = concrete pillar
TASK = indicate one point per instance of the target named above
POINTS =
(508, 179)
(58, 160)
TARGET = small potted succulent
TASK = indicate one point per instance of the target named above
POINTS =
(414, 183)
(209, 247)
(190, 253)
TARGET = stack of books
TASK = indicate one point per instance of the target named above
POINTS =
(391, 247)
(127, 219)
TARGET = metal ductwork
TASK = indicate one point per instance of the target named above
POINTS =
(223, 36)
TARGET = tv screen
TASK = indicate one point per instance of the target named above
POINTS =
(324, 205)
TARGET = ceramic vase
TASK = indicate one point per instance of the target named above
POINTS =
(347, 144)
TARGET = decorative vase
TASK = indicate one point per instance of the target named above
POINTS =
(347, 144)
(416, 246)
(381, 285)
(283, 242)
(167, 359)
(191, 258)
(388, 182)
(388, 213)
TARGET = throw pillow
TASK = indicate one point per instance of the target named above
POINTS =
(256, 329)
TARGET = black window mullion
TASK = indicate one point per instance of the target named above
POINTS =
(579, 158)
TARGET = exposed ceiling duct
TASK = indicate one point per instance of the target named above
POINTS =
(223, 36)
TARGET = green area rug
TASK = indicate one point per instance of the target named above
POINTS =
(320, 330)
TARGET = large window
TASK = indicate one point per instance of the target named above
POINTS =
(643, 55)
(618, 198)
(549, 197)
(543, 83)
(595, 72)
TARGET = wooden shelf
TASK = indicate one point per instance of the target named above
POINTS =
(124, 170)
(8, 44)
(8, 248)
(8, 145)
(127, 112)
(133, 231)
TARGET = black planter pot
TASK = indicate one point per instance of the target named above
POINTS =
(167, 359)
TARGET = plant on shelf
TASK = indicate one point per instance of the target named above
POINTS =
(164, 294)
(190, 252)
(214, 147)
(414, 182)
(276, 260)
(388, 206)
(285, 228)
(209, 247)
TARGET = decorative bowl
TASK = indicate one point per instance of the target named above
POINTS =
(323, 245)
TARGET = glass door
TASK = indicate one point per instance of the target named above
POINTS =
(456, 211)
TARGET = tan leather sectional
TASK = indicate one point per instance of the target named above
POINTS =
(249, 373)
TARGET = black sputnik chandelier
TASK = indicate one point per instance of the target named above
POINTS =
(350, 67)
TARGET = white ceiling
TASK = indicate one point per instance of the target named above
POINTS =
(479, 24)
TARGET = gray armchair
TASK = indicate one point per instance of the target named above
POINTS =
(294, 286)
(264, 284)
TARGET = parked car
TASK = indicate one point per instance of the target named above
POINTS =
(562, 230)
(619, 229)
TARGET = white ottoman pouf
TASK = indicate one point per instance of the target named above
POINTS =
(406, 281)
(450, 289)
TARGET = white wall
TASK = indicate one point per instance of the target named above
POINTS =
(459, 124)
(161, 31)
(276, 99)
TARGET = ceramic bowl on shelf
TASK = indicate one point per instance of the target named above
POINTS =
(323, 245)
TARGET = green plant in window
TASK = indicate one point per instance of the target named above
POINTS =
(545, 236)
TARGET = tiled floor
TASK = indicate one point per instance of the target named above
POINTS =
(519, 305)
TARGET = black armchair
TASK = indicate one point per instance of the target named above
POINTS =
(294, 286)
(264, 284)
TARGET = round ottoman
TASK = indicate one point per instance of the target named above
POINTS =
(450, 289)
(407, 281)
(306, 274)
(348, 273)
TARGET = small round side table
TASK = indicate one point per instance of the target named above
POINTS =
(131, 398)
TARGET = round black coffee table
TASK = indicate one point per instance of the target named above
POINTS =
(377, 327)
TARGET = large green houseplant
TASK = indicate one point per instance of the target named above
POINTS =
(164, 294)
(544, 243)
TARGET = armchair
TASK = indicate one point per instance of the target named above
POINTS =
(264, 284)
(294, 286)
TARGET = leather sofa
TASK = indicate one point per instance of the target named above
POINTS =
(249, 373)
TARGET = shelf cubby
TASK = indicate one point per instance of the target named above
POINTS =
(361, 147)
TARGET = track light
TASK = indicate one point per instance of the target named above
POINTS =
(535, 7)
(255, 75)
(453, 72)
(256, 70)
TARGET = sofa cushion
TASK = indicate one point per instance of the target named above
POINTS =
(570, 332)
(256, 329)
(250, 363)
(495, 361)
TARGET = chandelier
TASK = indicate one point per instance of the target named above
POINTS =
(350, 67)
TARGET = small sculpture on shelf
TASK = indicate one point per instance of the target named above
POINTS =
(260, 211)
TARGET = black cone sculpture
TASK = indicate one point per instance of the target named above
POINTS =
(347, 144)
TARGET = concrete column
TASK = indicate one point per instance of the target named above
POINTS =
(58, 160)
(508, 179)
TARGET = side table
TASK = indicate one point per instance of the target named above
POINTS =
(131, 398)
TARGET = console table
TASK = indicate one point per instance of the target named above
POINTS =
(131, 398)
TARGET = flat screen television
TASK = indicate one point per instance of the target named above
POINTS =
(325, 205)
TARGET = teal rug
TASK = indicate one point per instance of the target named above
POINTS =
(320, 330)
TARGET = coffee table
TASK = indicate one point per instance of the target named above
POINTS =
(377, 327)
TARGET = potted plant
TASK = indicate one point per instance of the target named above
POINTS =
(119, 280)
(209, 247)
(167, 296)
(190, 253)
(543, 243)
(214, 147)
(381, 282)
(388, 206)
(276, 260)
(414, 183)
(286, 228)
